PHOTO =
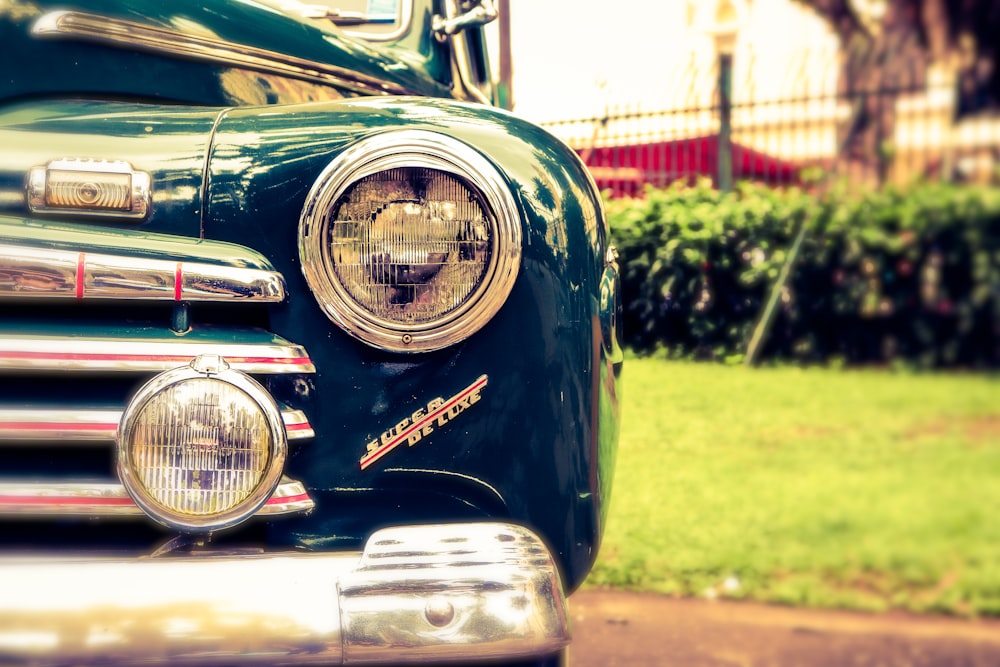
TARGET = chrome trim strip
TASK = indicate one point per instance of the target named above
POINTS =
(80, 426)
(30, 272)
(50, 353)
(461, 593)
(110, 499)
(144, 37)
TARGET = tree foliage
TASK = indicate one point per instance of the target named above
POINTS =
(959, 34)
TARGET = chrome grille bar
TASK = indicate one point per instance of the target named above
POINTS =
(110, 499)
(99, 426)
(149, 353)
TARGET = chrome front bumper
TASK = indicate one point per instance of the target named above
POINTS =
(419, 593)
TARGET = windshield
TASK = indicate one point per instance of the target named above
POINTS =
(369, 19)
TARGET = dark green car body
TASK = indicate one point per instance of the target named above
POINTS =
(232, 151)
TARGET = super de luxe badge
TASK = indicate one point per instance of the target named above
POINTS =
(422, 422)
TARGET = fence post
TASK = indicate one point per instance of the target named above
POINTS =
(505, 90)
(767, 318)
(724, 144)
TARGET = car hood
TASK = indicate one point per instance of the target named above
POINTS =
(68, 58)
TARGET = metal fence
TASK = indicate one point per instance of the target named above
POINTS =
(900, 126)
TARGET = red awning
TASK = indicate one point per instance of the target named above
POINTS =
(626, 169)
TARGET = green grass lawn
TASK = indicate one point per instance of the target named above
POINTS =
(857, 489)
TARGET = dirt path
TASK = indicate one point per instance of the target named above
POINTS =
(614, 628)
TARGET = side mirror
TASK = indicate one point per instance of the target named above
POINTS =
(462, 27)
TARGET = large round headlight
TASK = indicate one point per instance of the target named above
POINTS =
(410, 240)
(201, 447)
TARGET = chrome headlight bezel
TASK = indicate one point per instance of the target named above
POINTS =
(215, 369)
(423, 150)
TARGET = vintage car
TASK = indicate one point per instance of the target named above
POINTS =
(309, 353)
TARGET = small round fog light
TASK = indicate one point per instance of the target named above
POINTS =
(201, 447)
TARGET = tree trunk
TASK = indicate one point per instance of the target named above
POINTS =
(879, 64)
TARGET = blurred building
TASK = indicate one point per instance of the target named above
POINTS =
(656, 91)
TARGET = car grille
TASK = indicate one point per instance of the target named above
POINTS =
(83, 327)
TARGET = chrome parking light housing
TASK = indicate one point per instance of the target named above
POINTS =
(89, 187)
(410, 240)
(201, 447)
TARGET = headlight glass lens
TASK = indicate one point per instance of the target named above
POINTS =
(200, 447)
(409, 245)
(410, 240)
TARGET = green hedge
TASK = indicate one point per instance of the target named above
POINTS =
(894, 275)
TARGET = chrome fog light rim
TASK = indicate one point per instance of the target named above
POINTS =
(417, 149)
(214, 368)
